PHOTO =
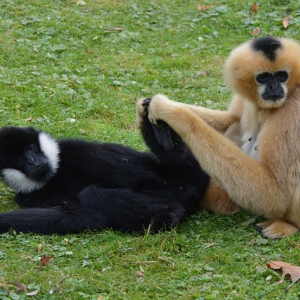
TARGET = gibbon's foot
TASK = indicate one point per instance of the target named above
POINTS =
(146, 102)
(141, 111)
(161, 129)
(218, 201)
(276, 229)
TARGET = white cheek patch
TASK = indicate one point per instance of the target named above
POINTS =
(18, 181)
(51, 150)
(261, 89)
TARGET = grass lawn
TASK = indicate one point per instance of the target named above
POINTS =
(75, 68)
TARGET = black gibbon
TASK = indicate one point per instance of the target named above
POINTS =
(72, 185)
(251, 151)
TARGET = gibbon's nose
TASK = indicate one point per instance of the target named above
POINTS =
(273, 91)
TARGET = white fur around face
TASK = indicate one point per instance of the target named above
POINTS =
(50, 148)
(20, 182)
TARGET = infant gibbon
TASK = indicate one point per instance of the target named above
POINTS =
(251, 151)
(72, 185)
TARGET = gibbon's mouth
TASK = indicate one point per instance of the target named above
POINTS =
(273, 98)
(42, 170)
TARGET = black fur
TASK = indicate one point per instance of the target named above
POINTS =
(268, 45)
(101, 186)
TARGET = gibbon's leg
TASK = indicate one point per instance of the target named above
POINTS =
(240, 175)
(179, 153)
(130, 211)
(72, 218)
(217, 200)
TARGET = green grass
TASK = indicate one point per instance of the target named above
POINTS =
(76, 69)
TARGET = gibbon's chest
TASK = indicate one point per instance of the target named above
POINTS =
(253, 122)
(250, 146)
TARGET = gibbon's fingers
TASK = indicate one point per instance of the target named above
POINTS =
(240, 174)
(161, 130)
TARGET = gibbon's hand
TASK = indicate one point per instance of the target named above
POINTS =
(161, 130)
(159, 108)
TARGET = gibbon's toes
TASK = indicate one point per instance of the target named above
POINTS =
(146, 102)
(141, 111)
(279, 229)
(258, 228)
(265, 224)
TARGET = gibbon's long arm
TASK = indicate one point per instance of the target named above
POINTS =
(246, 180)
(219, 120)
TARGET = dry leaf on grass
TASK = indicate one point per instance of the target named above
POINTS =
(33, 293)
(203, 7)
(19, 286)
(285, 22)
(28, 119)
(45, 260)
(287, 268)
(255, 31)
(254, 7)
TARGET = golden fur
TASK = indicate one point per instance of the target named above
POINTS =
(252, 150)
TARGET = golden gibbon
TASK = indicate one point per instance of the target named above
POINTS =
(252, 150)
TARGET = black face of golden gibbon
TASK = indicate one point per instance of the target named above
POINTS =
(272, 89)
(271, 84)
(264, 70)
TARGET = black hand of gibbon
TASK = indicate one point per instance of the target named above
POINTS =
(162, 130)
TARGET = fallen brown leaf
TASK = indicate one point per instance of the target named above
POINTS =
(254, 7)
(163, 258)
(285, 22)
(287, 268)
(45, 260)
(255, 31)
(28, 119)
(139, 274)
(203, 7)
(19, 286)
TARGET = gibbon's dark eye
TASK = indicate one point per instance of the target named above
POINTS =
(19, 161)
(32, 148)
(282, 76)
(263, 77)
